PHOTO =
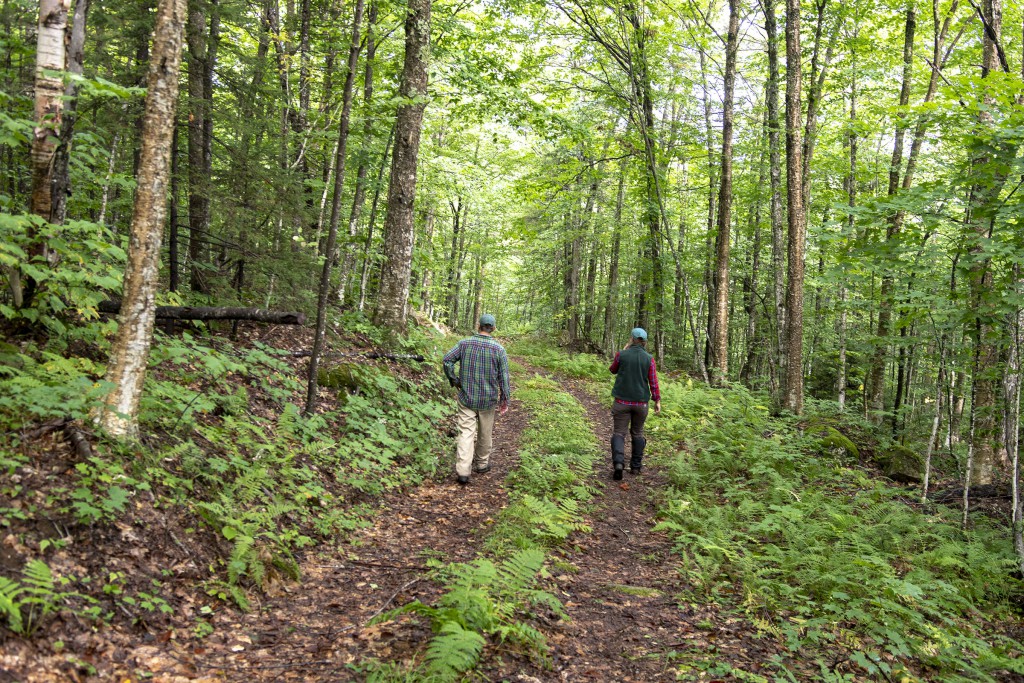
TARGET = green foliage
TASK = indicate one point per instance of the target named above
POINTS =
(484, 598)
(88, 265)
(101, 493)
(40, 385)
(24, 604)
(551, 484)
(840, 559)
(542, 352)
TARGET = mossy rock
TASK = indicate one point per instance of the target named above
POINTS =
(902, 464)
(832, 442)
(341, 376)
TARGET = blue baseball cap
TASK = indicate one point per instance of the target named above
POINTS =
(487, 319)
(639, 333)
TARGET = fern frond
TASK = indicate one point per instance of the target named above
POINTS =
(10, 607)
(453, 651)
(38, 576)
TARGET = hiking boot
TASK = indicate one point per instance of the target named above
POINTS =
(484, 470)
(463, 480)
(634, 470)
(617, 474)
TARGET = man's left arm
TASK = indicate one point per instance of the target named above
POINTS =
(450, 359)
(652, 379)
(506, 387)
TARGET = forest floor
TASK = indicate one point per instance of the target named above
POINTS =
(619, 585)
(625, 622)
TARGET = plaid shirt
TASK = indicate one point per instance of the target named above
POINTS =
(652, 379)
(483, 372)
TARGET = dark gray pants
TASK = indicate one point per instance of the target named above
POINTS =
(632, 418)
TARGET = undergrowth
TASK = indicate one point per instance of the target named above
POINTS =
(225, 446)
(817, 554)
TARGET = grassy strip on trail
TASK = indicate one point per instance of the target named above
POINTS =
(814, 552)
(488, 598)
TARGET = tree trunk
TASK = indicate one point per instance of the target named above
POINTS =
(752, 360)
(398, 223)
(372, 222)
(215, 313)
(202, 55)
(172, 242)
(428, 240)
(720, 341)
(62, 158)
(126, 368)
(1011, 399)
(364, 158)
(851, 201)
(794, 395)
(819, 71)
(49, 109)
(994, 158)
(777, 377)
(608, 343)
(876, 374)
(939, 380)
(332, 231)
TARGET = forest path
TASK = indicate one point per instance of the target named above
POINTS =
(310, 631)
(628, 621)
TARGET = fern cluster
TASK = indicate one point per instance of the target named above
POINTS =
(823, 556)
(484, 598)
(24, 604)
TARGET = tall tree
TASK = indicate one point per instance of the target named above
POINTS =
(777, 377)
(332, 231)
(49, 108)
(398, 224)
(126, 369)
(876, 377)
(794, 387)
(991, 162)
(202, 55)
(720, 342)
(75, 58)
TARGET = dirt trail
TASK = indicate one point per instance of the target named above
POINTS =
(309, 631)
(627, 623)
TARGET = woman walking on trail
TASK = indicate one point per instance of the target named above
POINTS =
(483, 385)
(636, 383)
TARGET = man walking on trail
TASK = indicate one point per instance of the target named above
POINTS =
(636, 383)
(483, 386)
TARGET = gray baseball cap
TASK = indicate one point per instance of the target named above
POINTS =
(487, 319)
(639, 333)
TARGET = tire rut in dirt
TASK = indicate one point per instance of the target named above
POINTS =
(622, 600)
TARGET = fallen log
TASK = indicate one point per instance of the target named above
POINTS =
(373, 355)
(217, 313)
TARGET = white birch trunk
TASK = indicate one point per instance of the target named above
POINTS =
(130, 353)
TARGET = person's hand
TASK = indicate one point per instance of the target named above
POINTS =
(657, 406)
(503, 408)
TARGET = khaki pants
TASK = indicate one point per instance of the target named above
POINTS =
(474, 445)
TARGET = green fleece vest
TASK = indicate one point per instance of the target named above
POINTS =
(632, 381)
